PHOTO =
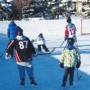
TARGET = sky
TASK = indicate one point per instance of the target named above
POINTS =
(9, 0)
(2, 0)
(47, 72)
(5, 0)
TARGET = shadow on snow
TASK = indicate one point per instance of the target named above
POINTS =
(47, 72)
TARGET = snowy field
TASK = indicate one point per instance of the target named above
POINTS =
(47, 72)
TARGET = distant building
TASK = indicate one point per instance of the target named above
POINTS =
(76, 4)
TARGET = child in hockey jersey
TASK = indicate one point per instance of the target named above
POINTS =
(41, 43)
(23, 54)
(70, 30)
(70, 58)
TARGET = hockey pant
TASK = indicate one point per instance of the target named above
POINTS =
(29, 69)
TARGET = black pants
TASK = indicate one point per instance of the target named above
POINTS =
(68, 71)
(44, 47)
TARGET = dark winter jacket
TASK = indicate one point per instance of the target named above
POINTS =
(23, 48)
(12, 30)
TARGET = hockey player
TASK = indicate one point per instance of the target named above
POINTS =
(41, 42)
(70, 58)
(70, 30)
(12, 32)
(24, 51)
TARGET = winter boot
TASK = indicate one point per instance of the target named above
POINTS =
(71, 83)
(32, 81)
(63, 84)
(22, 82)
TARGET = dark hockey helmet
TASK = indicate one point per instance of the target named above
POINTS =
(70, 41)
(68, 19)
(20, 32)
(40, 35)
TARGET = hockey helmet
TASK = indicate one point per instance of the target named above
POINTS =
(68, 19)
(20, 32)
(40, 35)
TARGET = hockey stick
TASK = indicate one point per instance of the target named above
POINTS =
(4, 51)
(56, 47)
(78, 76)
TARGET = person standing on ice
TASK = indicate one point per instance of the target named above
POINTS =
(12, 32)
(70, 30)
(24, 50)
(70, 58)
(41, 43)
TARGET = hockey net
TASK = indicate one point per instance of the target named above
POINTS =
(85, 26)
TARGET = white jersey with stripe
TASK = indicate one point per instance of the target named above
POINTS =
(72, 32)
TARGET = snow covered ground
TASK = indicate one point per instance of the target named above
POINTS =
(47, 72)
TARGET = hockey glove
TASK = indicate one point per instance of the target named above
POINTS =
(66, 37)
(78, 64)
(61, 65)
(7, 56)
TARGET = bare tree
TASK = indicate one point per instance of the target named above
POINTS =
(18, 5)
